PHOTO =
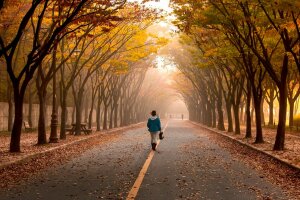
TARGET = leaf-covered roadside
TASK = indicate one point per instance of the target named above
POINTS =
(291, 152)
(22, 171)
(273, 170)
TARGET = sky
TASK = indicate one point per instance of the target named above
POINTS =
(160, 4)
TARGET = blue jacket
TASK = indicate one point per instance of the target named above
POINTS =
(154, 124)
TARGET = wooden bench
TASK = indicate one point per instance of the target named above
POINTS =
(88, 131)
(27, 127)
(83, 129)
(70, 129)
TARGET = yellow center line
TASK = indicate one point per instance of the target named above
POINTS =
(138, 182)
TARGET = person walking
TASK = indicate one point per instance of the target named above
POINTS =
(154, 127)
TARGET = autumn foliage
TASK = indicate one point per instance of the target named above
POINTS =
(258, 40)
(40, 38)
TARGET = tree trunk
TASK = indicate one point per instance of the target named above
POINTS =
(229, 117)
(18, 122)
(236, 119)
(78, 104)
(209, 114)
(10, 108)
(111, 117)
(203, 114)
(242, 118)
(63, 115)
(42, 137)
(91, 113)
(220, 110)
(86, 110)
(105, 118)
(271, 107)
(252, 114)
(280, 135)
(257, 107)
(220, 118)
(291, 118)
(90, 117)
(98, 111)
(121, 112)
(214, 117)
(262, 111)
(248, 111)
(73, 113)
(30, 107)
(127, 116)
(200, 114)
(116, 115)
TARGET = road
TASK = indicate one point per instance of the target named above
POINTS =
(188, 164)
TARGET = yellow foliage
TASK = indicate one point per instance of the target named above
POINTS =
(211, 52)
(297, 119)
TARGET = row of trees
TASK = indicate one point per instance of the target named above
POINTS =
(244, 53)
(93, 50)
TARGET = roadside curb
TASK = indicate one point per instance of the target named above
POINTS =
(295, 167)
(96, 134)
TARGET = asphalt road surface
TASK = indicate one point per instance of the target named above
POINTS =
(187, 165)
